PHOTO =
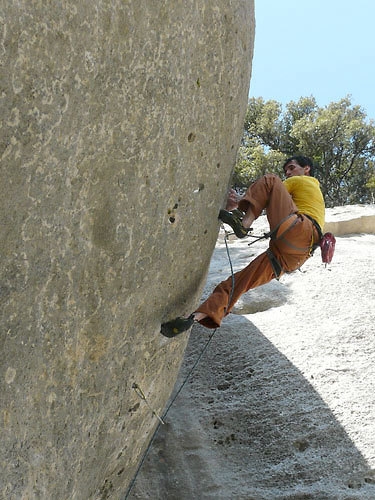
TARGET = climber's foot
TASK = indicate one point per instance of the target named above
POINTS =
(176, 326)
(234, 222)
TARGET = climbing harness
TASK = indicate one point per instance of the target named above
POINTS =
(273, 235)
(276, 266)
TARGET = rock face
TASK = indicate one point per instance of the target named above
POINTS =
(120, 125)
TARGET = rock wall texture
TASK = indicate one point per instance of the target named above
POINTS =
(120, 122)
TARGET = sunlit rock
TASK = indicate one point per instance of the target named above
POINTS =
(120, 126)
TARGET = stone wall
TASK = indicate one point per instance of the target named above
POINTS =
(120, 126)
(357, 225)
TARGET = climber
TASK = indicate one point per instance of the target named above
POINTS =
(296, 213)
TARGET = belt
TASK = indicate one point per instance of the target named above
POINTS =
(318, 228)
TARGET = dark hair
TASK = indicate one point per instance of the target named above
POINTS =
(303, 161)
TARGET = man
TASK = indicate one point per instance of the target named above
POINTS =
(295, 212)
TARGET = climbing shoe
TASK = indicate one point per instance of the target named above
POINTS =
(176, 326)
(234, 222)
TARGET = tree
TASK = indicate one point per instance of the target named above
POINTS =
(337, 137)
(253, 162)
(263, 123)
(342, 144)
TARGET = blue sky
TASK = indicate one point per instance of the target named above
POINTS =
(323, 48)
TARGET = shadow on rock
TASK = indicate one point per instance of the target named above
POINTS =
(248, 425)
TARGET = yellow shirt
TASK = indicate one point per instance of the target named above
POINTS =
(306, 194)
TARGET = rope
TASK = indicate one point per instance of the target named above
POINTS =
(184, 382)
(230, 264)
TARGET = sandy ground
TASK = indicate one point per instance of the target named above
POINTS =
(282, 403)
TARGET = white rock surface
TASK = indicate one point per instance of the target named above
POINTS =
(281, 404)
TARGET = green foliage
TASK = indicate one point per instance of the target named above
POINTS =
(253, 162)
(337, 137)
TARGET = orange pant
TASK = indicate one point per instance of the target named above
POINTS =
(291, 245)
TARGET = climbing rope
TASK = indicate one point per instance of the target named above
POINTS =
(184, 382)
(230, 264)
(162, 418)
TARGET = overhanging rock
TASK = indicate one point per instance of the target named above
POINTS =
(120, 125)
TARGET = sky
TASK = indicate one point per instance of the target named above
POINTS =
(319, 48)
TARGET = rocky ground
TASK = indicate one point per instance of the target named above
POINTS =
(281, 404)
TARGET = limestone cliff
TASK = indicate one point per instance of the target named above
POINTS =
(120, 125)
